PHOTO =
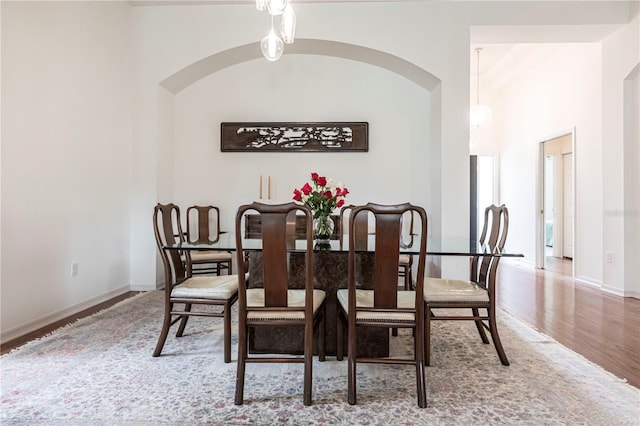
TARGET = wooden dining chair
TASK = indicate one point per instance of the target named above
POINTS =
(276, 303)
(478, 293)
(385, 306)
(181, 290)
(203, 227)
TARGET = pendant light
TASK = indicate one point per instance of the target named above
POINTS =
(479, 113)
(272, 45)
(288, 24)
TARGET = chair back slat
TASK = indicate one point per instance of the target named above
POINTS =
(203, 224)
(493, 237)
(387, 248)
(274, 259)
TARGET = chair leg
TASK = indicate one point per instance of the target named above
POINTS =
(479, 326)
(493, 328)
(339, 335)
(351, 368)
(242, 356)
(427, 336)
(308, 363)
(166, 324)
(421, 383)
(227, 332)
(322, 339)
(183, 321)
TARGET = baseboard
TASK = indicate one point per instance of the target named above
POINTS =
(49, 319)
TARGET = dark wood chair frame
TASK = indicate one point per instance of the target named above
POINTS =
(165, 216)
(387, 246)
(483, 272)
(275, 243)
(203, 233)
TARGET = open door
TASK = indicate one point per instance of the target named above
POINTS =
(556, 206)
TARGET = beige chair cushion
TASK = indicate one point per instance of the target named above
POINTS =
(364, 298)
(404, 259)
(455, 291)
(295, 298)
(208, 256)
(207, 287)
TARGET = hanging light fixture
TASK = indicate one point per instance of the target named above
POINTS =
(479, 114)
(272, 45)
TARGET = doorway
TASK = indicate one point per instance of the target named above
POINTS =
(556, 239)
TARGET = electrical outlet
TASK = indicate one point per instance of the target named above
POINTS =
(74, 269)
(608, 256)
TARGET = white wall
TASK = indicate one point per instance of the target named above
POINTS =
(336, 84)
(616, 224)
(66, 158)
(560, 93)
(342, 90)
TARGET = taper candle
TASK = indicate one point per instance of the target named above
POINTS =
(269, 187)
(260, 188)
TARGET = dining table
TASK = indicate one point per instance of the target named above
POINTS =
(330, 274)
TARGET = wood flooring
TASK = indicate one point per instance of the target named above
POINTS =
(602, 327)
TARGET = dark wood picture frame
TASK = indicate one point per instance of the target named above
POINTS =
(294, 137)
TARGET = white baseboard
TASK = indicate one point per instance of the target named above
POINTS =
(46, 320)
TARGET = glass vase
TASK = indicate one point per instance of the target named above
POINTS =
(323, 228)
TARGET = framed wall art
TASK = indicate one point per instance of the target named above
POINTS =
(294, 137)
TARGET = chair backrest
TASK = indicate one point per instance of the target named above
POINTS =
(388, 234)
(493, 237)
(203, 224)
(277, 237)
(167, 229)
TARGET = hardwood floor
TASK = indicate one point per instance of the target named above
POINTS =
(602, 327)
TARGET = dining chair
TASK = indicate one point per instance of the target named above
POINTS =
(276, 303)
(203, 227)
(478, 293)
(182, 290)
(385, 306)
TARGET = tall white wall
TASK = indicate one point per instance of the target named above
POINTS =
(561, 92)
(621, 189)
(301, 87)
(66, 158)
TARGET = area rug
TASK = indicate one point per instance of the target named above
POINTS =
(99, 371)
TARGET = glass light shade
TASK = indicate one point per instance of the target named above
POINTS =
(272, 46)
(288, 24)
(261, 4)
(479, 115)
(276, 7)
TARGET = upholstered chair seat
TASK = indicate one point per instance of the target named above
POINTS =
(295, 299)
(207, 287)
(364, 299)
(454, 291)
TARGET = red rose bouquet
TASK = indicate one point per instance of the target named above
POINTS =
(321, 196)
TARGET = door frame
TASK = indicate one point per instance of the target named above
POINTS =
(540, 223)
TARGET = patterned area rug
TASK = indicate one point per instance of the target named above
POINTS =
(100, 371)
